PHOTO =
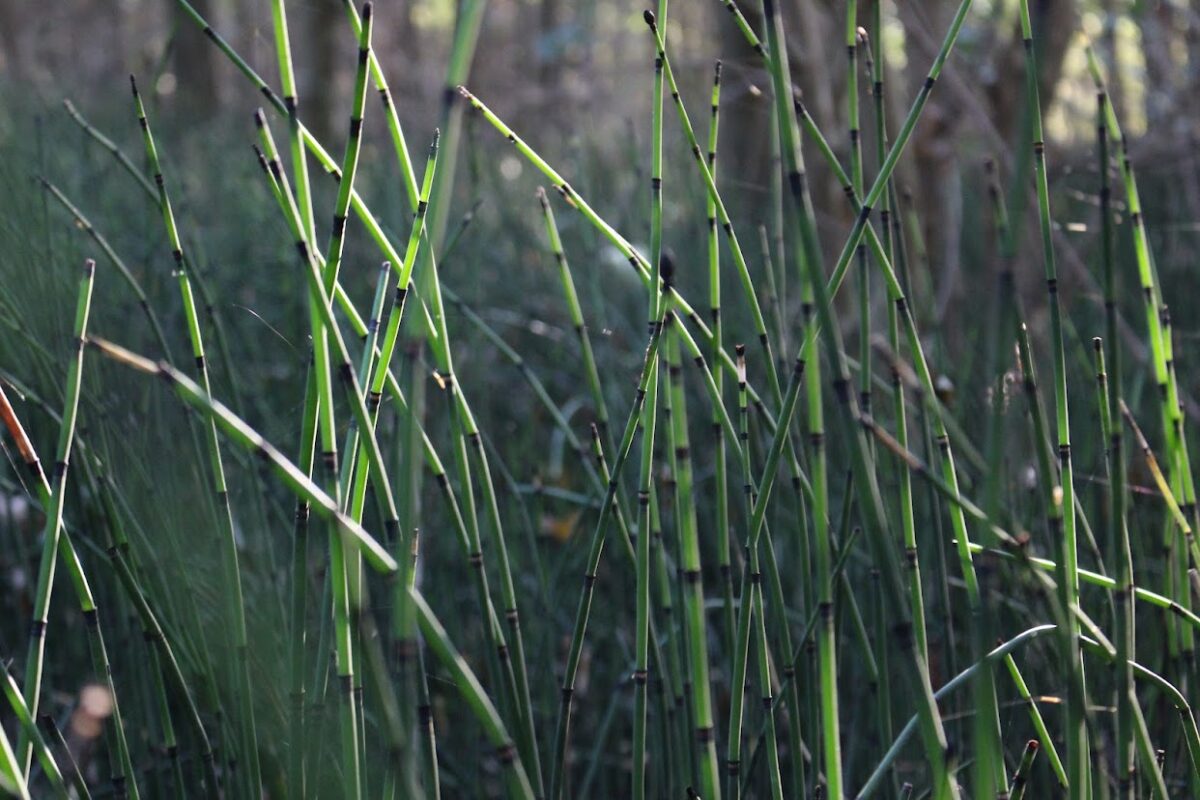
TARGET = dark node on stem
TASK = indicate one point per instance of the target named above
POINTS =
(929, 82)
(475, 559)
(691, 576)
(704, 735)
(641, 676)
(37, 629)
(91, 618)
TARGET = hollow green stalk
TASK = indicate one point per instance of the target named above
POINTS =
(1062, 525)
(56, 543)
(1118, 539)
(49, 767)
(235, 609)
(720, 477)
(680, 461)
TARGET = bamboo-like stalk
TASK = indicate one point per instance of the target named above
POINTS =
(676, 717)
(853, 40)
(595, 550)
(12, 776)
(320, 288)
(466, 35)
(235, 609)
(897, 294)
(680, 461)
(439, 341)
(1062, 511)
(934, 736)
(1118, 539)
(246, 437)
(575, 312)
(207, 301)
(735, 249)
(636, 260)
(648, 415)
(16, 702)
(122, 269)
(667, 492)
(1021, 776)
(1156, 322)
(720, 467)
(751, 615)
(468, 23)
(56, 543)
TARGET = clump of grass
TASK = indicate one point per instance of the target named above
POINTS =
(652, 669)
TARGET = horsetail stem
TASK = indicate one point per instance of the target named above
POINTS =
(235, 609)
(109, 145)
(680, 461)
(1118, 524)
(720, 478)
(735, 249)
(575, 312)
(648, 414)
(639, 262)
(109, 253)
(1077, 739)
(29, 728)
(239, 432)
(245, 437)
(54, 539)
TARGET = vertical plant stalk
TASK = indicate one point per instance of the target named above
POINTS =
(235, 610)
(1062, 519)
(720, 467)
(322, 321)
(648, 415)
(376, 555)
(1118, 539)
(56, 543)
(854, 37)
(467, 26)
(751, 613)
(122, 269)
(680, 461)
(636, 260)
(722, 214)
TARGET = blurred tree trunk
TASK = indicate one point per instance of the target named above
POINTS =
(934, 175)
(746, 117)
(11, 36)
(194, 58)
(327, 26)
